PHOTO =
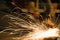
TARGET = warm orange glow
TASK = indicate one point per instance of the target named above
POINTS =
(41, 34)
(45, 34)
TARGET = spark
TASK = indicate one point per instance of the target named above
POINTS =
(39, 31)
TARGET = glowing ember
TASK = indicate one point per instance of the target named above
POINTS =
(44, 34)
(41, 34)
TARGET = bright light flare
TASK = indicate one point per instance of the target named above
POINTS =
(45, 34)
(41, 34)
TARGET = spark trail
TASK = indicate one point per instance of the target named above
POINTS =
(35, 29)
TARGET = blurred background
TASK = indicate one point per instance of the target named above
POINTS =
(11, 11)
